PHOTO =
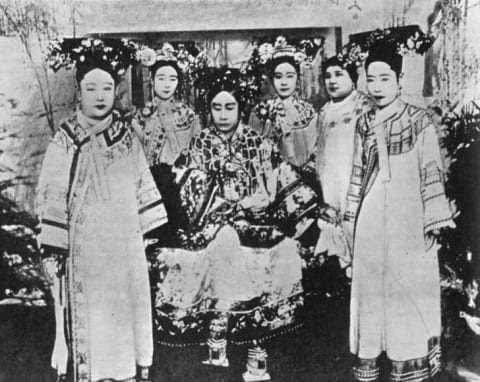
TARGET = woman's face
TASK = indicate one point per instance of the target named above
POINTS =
(338, 83)
(97, 89)
(165, 82)
(285, 80)
(382, 83)
(225, 113)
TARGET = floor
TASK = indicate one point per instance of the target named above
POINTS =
(316, 352)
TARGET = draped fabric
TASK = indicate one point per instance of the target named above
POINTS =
(291, 124)
(334, 156)
(396, 198)
(333, 161)
(235, 257)
(96, 199)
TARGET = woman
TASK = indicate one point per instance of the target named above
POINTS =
(239, 274)
(337, 121)
(166, 125)
(336, 126)
(96, 199)
(290, 122)
(397, 200)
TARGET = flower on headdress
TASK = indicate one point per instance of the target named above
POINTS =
(119, 54)
(265, 51)
(147, 56)
(280, 42)
(167, 49)
(299, 57)
(406, 39)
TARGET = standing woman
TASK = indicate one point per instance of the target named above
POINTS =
(96, 201)
(397, 200)
(337, 121)
(336, 131)
(289, 121)
(166, 125)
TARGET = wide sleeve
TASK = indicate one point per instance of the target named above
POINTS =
(296, 201)
(51, 205)
(436, 208)
(151, 209)
(354, 194)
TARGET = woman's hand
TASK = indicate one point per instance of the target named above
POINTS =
(259, 200)
(330, 214)
(51, 268)
(431, 239)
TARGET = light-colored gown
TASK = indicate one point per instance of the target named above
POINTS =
(396, 197)
(96, 200)
(333, 164)
(334, 157)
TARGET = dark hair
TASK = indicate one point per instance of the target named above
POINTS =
(160, 64)
(90, 64)
(272, 65)
(335, 61)
(387, 53)
(234, 91)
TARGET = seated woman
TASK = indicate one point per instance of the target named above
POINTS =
(166, 125)
(238, 272)
(290, 122)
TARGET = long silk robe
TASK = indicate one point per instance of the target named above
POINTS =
(397, 199)
(96, 200)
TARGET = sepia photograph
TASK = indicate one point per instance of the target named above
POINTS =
(239, 190)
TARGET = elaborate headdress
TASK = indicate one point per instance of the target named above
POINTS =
(271, 55)
(85, 54)
(181, 57)
(388, 45)
(245, 83)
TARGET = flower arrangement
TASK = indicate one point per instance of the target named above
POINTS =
(118, 54)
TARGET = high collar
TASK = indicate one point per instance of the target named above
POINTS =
(91, 126)
(164, 106)
(239, 131)
(381, 115)
(287, 101)
(344, 103)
